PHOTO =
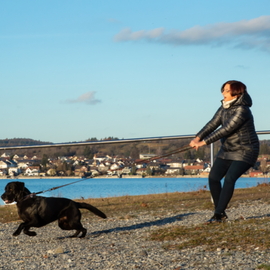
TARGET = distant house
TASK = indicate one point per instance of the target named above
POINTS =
(173, 170)
(141, 171)
(15, 157)
(3, 172)
(94, 170)
(256, 173)
(146, 156)
(140, 165)
(103, 168)
(206, 171)
(35, 157)
(126, 170)
(5, 155)
(99, 158)
(32, 171)
(5, 164)
(23, 164)
(175, 164)
(13, 171)
(114, 166)
(154, 165)
(63, 158)
(51, 172)
(194, 169)
(76, 163)
(80, 170)
(113, 172)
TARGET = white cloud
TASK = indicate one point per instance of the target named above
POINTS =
(254, 33)
(87, 98)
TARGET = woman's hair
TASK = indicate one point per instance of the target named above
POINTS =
(237, 88)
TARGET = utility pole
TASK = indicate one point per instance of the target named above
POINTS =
(212, 154)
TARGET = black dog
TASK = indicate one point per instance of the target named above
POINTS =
(37, 211)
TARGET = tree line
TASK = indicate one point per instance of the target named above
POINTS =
(124, 150)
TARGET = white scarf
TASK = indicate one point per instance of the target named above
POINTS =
(227, 104)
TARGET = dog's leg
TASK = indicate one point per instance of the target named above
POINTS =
(19, 230)
(83, 233)
(65, 225)
(25, 226)
(75, 234)
(30, 233)
(70, 220)
(83, 230)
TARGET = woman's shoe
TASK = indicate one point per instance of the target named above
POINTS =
(215, 218)
(223, 216)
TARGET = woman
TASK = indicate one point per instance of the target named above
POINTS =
(240, 145)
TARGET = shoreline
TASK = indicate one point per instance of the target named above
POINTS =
(124, 177)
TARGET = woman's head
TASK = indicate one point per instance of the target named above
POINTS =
(237, 88)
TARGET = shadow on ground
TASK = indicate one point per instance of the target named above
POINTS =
(160, 222)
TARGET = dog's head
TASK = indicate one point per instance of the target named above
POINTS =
(14, 192)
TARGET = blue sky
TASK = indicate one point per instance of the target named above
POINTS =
(72, 70)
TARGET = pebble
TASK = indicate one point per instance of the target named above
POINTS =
(122, 243)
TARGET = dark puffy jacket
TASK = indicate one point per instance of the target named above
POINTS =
(237, 132)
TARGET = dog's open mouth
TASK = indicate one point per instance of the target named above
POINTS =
(9, 202)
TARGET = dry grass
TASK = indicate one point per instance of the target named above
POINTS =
(238, 235)
(8, 213)
(241, 234)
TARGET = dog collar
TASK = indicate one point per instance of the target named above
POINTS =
(32, 195)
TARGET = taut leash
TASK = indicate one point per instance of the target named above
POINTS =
(176, 151)
(54, 188)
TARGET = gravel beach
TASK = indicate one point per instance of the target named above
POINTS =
(121, 243)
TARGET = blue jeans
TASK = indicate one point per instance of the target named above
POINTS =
(232, 170)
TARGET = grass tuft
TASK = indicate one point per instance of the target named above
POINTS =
(264, 266)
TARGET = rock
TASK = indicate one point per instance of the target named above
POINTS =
(59, 250)
(143, 253)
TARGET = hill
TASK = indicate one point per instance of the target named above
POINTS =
(125, 150)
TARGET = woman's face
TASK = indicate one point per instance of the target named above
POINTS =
(227, 93)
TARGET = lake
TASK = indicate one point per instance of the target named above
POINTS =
(110, 187)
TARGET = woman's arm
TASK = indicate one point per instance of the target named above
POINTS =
(241, 115)
(211, 126)
(206, 130)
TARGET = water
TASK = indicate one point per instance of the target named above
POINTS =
(109, 187)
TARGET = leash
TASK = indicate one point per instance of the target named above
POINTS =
(54, 188)
(33, 195)
(176, 151)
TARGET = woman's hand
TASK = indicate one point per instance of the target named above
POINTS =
(196, 143)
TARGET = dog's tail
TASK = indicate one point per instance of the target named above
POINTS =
(92, 209)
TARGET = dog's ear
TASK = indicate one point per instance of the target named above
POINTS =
(19, 185)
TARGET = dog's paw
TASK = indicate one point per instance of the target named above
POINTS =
(15, 233)
(30, 233)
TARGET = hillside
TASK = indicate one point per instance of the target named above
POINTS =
(20, 142)
(125, 150)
